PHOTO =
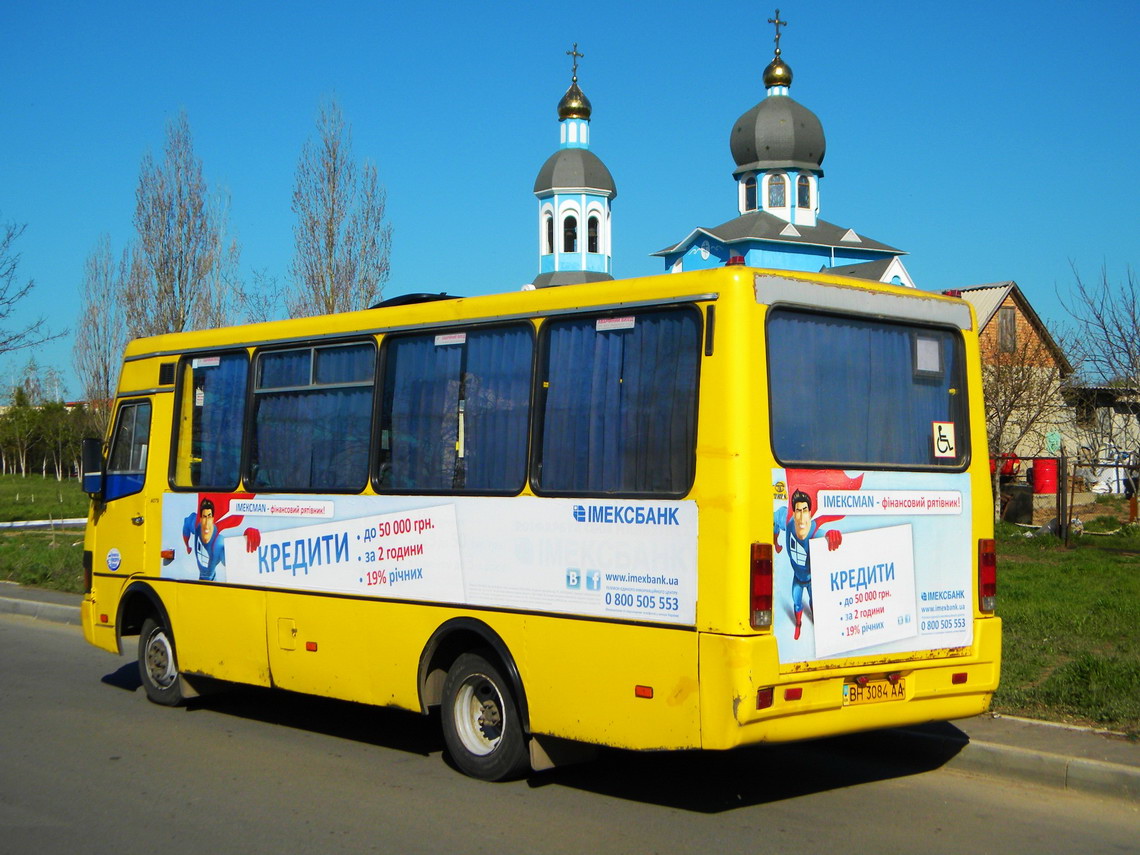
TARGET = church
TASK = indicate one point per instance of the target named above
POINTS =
(778, 147)
(574, 190)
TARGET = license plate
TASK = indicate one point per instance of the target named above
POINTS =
(874, 692)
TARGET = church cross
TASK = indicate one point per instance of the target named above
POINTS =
(574, 53)
(778, 24)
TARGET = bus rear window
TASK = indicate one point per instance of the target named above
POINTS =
(856, 392)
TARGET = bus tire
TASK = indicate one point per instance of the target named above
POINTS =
(481, 724)
(158, 664)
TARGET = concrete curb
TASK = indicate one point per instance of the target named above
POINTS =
(29, 525)
(53, 612)
(1093, 777)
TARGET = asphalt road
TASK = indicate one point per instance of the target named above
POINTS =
(88, 765)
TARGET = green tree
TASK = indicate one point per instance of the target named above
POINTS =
(20, 429)
(55, 436)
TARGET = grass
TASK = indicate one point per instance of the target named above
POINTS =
(36, 498)
(51, 558)
(1070, 646)
(43, 559)
(1071, 616)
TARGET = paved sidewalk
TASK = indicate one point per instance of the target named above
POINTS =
(1036, 752)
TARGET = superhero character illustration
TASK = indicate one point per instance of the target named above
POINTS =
(795, 536)
(202, 535)
(795, 525)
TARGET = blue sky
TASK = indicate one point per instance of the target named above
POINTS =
(990, 143)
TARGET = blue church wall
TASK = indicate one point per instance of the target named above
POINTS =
(848, 257)
(806, 259)
(695, 259)
(596, 262)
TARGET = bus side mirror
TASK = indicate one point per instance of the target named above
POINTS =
(92, 459)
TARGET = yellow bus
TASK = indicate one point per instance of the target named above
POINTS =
(690, 511)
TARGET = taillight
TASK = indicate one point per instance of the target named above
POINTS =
(760, 586)
(987, 575)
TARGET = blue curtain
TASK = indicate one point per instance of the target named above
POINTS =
(497, 408)
(846, 391)
(620, 409)
(313, 437)
(423, 391)
(427, 384)
(284, 369)
(219, 428)
(352, 364)
(312, 440)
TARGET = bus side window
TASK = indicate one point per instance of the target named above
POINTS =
(456, 411)
(618, 413)
(211, 411)
(312, 418)
(126, 464)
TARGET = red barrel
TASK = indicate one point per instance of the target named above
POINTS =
(1045, 475)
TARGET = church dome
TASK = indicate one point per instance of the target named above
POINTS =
(574, 104)
(778, 133)
(778, 73)
(574, 168)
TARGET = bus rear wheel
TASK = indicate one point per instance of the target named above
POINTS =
(481, 725)
(158, 665)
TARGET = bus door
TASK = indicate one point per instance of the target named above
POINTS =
(127, 511)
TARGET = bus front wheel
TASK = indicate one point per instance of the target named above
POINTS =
(481, 725)
(158, 665)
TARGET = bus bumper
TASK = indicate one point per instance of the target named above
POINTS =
(97, 632)
(741, 705)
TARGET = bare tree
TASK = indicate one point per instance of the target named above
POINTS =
(342, 241)
(12, 291)
(1106, 316)
(186, 279)
(1107, 320)
(1024, 401)
(264, 300)
(101, 332)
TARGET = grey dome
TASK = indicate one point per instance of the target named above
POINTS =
(778, 133)
(574, 168)
(569, 277)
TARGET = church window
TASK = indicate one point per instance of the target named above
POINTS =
(570, 234)
(750, 193)
(777, 191)
(549, 246)
(592, 234)
(803, 192)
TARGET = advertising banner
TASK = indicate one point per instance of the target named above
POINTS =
(623, 559)
(870, 563)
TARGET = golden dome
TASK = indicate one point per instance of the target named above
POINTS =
(778, 73)
(574, 104)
